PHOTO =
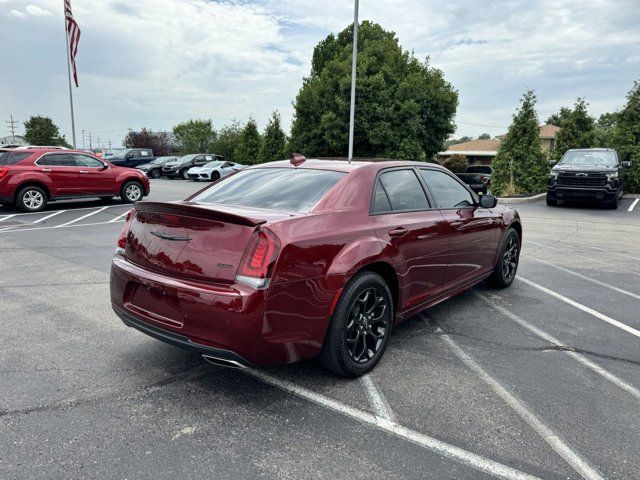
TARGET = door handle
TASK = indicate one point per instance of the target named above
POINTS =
(398, 232)
(46, 170)
(83, 171)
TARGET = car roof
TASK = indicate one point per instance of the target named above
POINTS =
(344, 165)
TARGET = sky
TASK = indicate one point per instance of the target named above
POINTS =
(155, 63)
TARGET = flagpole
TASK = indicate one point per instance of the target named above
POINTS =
(68, 50)
(352, 111)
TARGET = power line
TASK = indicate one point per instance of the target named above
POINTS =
(12, 126)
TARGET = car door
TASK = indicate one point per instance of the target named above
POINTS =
(474, 229)
(94, 178)
(414, 232)
(62, 171)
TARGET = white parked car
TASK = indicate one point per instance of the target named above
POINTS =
(214, 170)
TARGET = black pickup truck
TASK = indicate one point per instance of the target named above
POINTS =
(478, 177)
(590, 174)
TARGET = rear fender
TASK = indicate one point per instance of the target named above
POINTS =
(357, 255)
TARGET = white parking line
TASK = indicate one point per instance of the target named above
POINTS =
(118, 217)
(585, 247)
(584, 277)
(633, 205)
(19, 230)
(554, 341)
(572, 457)
(441, 448)
(582, 307)
(7, 217)
(377, 401)
(82, 217)
(48, 217)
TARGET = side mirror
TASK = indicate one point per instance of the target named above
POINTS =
(626, 164)
(104, 166)
(552, 163)
(488, 201)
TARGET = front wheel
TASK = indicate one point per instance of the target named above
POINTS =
(155, 173)
(360, 326)
(613, 204)
(552, 202)
(131, 192)
(505, 271)
(31, 199)
(184, 173)
(215, 176)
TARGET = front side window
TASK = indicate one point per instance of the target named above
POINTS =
(447, 192)
(287, 189)
(56, 160)
(403, 190)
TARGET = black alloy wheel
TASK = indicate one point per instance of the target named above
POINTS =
(505, 271)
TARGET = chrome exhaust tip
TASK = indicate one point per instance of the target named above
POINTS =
(222, 362)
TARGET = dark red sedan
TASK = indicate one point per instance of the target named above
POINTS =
(282, 262)
(30, 178)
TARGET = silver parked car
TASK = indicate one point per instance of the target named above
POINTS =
(214, 170)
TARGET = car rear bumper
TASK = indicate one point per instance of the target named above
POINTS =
(581, 193)
(232, 322)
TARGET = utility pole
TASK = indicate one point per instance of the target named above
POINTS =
(98, 142)
(90, 144)
(109, 144)
(83, 139)
(354, 57)
(12, 126)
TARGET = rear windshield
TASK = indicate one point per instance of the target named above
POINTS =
(9, 158)
(479, 169)
(290, 189)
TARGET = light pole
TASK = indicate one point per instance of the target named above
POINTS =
(354, 56)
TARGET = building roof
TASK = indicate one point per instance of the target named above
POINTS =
(476, 148)
(548, 131)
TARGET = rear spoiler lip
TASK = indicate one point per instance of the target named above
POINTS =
(199, 211)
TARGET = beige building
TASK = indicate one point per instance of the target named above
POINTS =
(484, 151)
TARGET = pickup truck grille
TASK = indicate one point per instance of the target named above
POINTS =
(582, 179)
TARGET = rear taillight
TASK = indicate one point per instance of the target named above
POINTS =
(122, 239)
(3, 171)
(258, 259)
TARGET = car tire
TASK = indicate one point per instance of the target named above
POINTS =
(184, 174)
(484, 190)
(508, 259)
(551, 202)
(131, 192)
(363, 318)
(154, 173)
(215, 176)
(31, 199)
(613, 204)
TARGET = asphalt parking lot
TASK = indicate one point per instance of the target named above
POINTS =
(539, 380)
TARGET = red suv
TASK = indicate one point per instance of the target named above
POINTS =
(29, 179)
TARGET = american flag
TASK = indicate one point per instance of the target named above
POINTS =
(73, 37)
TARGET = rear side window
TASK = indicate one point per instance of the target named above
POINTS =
(403, 190)
(448, 193)
(9, 158)
(56, 160)
(289, 189)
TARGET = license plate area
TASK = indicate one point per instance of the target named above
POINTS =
(154, 303)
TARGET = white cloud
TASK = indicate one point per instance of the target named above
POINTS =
(37, 11)
(16, 13)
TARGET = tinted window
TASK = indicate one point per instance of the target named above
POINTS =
(380, 199)
(274, 188)
(448, 193)
(57, 160)
(404, 190)
(87, 161)
(479, 169)
(9, 158)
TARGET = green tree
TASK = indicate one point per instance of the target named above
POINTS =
(625, 136)
(196, 136)
(274, 141)
(484, 136)
(404, 108)
(605, 129)
(248, 148)
(578, 130)
(227, 141)
(520, 167)
(456, 141)
(557, 118)
(40, 130)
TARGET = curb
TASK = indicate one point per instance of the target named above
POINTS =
(531, 199)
